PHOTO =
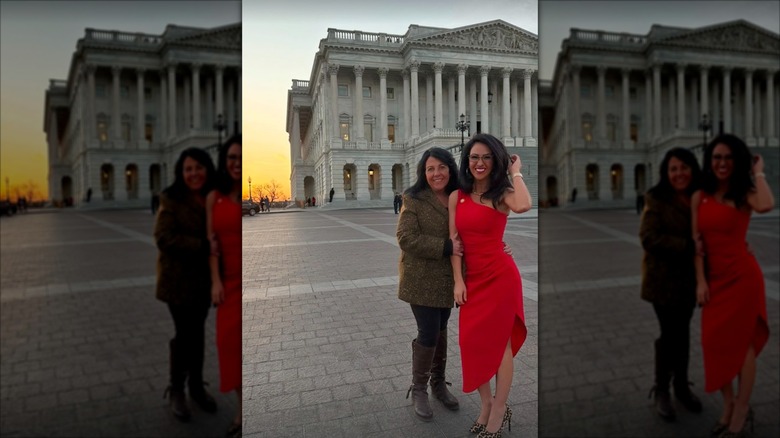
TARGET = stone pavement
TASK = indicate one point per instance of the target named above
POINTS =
(596, 334)
(84, 342)
(327, 343)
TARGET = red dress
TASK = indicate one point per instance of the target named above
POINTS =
(226, 223)
(494, 293)
(735, 316)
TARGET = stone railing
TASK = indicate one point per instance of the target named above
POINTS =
(398, 146)
(350, 145)
(298, 84)
(357, 36)
(58, 83)
(122, 37)
(374, 145)
(612, 38)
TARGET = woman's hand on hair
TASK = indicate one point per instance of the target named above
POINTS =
(758, 164)
(515, 165)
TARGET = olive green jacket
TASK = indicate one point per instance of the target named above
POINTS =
(668, 272)
(425, 273)
(183, 275)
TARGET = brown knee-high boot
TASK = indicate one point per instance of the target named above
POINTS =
(438, 382)
(663, 377)
(175, 390)
(422, 357)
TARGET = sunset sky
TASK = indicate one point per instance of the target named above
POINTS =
(281, 38)
(37, 40)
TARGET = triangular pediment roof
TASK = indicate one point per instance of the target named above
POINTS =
(491, 35)
(737, 35)
(228, 36)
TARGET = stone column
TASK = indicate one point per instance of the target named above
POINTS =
(473, 105)
(383, 104)
(515, 109)
(462, 89)
(576, 92)
(218, 86)
(439, 116)
(141, 110)
(505, 110)
(358, 116)
(648, 118)
(295, 135)
(428, 102)
(657, 100)
(527, 111)
(483, 98)
(672, 102)
(187, 96)
(681, 96)
(749, 128)
(239, 111)
(625, 72)
(601, 114)
(770, 103)
(727, 99)
(162, 133)
(535, 106)
(414, 67)
(211, 116)
(171, 100)
(230, 108)
(704, 91)
(196, 95)
(91, 124)
(407, 121)
(116, 118)
(451, 118)
(333, 69)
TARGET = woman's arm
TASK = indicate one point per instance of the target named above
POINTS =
(411, 238)
(760, 199)
(167, 234)
(518, 199)
(702, 289)
(455, 259)
(217, 292)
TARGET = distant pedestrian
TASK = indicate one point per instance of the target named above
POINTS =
(573, 195)
(155, 203)
(332, 192)
(183, 279)
(267, 204)
(396, 203)
(640, 203)
(89, 194)
(313, 201)
(223, 212)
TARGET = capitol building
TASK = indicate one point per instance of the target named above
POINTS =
(374, 102)
(617, 102)
(131, 103)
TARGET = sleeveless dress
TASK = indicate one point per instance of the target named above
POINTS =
(735, 317)
(493, 312)
(226, 223)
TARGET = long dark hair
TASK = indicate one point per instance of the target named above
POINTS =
(664, 189)
(739, 183)
(499, 181)
(179, 190)
(224, 182)
(422, 182)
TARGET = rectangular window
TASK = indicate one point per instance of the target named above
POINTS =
(343, 90)
(634, 132)
(611, 131)
(126, 131)
(632, 93)
(368, 130)
(147, 93)
(587, 131)
(391, 93)
(609, 90)
(344, 134)
(124, 92)
(149, 132)
(585, 91)
(100, 91)
(391, 133)
(367, 92)
(102, 129)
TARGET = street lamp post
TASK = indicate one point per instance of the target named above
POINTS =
(7, 190)
(250, 189)
(705, 126)
(219, 126)
(462, 126)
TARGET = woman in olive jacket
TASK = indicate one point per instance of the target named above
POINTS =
(669, 276)
(183, 278)
(425, 274)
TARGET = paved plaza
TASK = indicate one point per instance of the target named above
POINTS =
(596, 334)
(84, 341)
(327, 343)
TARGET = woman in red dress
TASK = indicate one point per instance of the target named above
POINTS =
(492, 322)
(223, 207)
(730, 285)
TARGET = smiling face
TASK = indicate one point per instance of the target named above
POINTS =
(679, 174)
(480, 162)
(437, 174)
(194, 174)
(234, 161)
(722, 162)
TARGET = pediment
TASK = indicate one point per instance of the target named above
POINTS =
(226, 37)
(739, 35)
(493, 35)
